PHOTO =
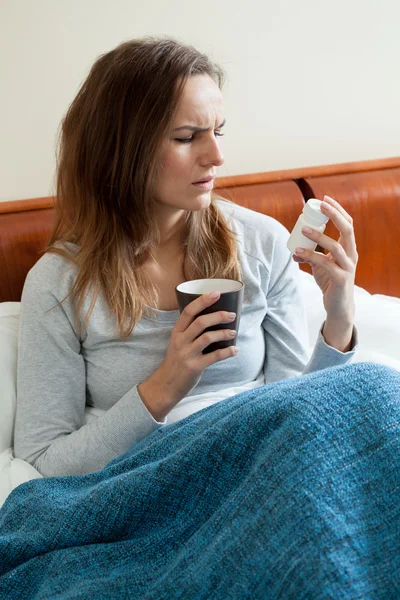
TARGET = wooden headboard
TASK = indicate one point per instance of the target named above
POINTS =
(368, 190)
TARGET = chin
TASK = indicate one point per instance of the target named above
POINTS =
(198, 201)
(203, 200)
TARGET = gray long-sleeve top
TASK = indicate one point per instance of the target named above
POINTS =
(60, 373)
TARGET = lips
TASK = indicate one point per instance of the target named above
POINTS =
(205, 180)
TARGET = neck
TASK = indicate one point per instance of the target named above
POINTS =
(167, 254)
(172, 234)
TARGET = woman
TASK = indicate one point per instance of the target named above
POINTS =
(100, 326)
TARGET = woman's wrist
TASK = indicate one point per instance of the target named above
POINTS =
(338, 335)
(154, 395)
(150, 396)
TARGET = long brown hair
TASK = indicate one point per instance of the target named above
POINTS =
(107, 161)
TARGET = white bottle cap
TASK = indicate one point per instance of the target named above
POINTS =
(312, 209)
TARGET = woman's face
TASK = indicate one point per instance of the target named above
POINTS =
(189, 155)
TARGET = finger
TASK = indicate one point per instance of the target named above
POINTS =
(331, 246)
(210, 320)
(192, 309)
(206, 360)
(317, 259)
(210, 337)
(344, 223)
(332, 202)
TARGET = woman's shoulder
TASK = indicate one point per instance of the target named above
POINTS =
(258, 233)
(246, 218)
(53, 272)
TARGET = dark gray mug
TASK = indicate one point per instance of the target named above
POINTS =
(231, 300)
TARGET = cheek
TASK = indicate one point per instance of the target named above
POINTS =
(175, 164)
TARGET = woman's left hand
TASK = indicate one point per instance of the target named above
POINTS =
(335, 271)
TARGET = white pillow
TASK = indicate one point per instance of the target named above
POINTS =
(9, 320)
(377, 319)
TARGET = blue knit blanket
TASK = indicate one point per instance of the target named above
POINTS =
(288, 491)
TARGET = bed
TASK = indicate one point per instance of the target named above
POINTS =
(369, 191)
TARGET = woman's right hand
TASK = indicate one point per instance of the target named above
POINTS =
(184, 363)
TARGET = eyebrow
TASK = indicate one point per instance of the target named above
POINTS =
(195, 129)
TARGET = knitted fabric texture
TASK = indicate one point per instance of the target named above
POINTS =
(289, 490)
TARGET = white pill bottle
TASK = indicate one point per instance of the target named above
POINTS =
(310, 217)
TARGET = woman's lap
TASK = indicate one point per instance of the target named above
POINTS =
(330, 395)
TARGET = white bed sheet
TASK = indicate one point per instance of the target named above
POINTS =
(377, 320)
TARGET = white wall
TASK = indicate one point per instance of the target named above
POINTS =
(309, 83)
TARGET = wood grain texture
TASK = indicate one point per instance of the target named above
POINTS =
(23, 236)
(28, 204)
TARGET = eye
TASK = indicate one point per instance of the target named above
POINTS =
(189, 139)
(184, 140)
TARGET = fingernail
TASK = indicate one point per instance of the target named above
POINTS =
(306, 230)
(214, 294)
(299, 250)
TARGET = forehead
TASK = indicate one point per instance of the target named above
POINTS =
(201, 102)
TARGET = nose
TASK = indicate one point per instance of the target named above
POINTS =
(212, 154)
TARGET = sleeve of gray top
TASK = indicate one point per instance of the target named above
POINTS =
(285, 324)
(50, 430)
